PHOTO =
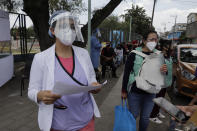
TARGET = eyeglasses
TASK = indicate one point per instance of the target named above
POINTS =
(153, 39)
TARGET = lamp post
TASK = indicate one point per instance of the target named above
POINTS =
(153, 12)
(133, 3)
(174, 29)
(89, 25)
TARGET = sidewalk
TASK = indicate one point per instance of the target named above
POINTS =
(105, 123)
(20, 114)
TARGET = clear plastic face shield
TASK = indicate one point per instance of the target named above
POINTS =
(67, 28)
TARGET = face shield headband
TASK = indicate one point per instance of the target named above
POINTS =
(67, 23)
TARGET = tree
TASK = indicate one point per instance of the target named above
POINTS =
(39, 10)
(10, 5)
(72, 5)
(100, 15)
(30, 32)
(111, 22)
(14, 32)
(141, 23)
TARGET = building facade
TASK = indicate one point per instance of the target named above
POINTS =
(176, 31)
(191, 31)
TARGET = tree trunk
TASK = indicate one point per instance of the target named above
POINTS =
(38, 11)
(100, 16)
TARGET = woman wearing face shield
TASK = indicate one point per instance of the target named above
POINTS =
(68, 64)
(140, 102)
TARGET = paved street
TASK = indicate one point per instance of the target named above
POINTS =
(20, 114)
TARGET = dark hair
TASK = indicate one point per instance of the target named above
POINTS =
(53, 25)
(166, 44)
(149, 32)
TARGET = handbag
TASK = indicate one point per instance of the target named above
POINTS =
(144, 84)
(124, 120)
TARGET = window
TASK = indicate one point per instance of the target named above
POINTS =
(192, 19)
(189, 55)
(188, 21)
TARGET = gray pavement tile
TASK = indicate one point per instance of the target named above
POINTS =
(23, 128)
(7, 117)
(20, 114)
(17, 124)
(32, 125)
(35, 129)
(6, 123)
(105, 123)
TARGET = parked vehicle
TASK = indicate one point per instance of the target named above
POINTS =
(185, 62)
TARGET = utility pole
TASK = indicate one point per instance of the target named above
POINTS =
(164, 28)
(133, 1)
(89, 25)
(164, 24)
(130, 29)
(153, 12)
(174, 29)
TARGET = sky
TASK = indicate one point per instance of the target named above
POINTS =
(165, 11)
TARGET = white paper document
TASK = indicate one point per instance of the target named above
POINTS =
(65, 89)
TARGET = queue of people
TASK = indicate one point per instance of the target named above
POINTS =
(72, 65)
(106, 56)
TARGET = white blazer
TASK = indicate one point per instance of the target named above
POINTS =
(42, 78)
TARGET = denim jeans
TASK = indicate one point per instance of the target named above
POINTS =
(172, 125)
(141, 104)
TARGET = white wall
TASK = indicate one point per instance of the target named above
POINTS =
(4, 26)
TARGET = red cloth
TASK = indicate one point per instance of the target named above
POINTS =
(134, 42)
(89, 127)
(67, 63)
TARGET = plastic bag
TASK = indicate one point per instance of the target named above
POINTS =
(124, 120)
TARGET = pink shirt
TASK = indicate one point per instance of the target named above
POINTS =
(67, 63)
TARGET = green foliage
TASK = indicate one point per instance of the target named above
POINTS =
(10, 5)
(29, 32)
(69, 5)
(14, 32)
(111, 22)
(141, 23)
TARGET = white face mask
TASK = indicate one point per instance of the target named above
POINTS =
(151, 45)
(67, 37)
